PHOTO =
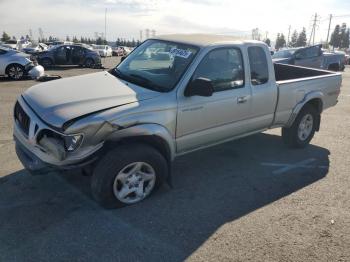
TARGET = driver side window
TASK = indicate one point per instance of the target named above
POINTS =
(224, 67)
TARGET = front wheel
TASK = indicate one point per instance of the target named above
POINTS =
(127, 175)
(46, 62)
(303, 129)
(15, 71)
(89, 63)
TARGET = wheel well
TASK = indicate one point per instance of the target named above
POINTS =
(8, 66)
(317, 104)
(154, 141)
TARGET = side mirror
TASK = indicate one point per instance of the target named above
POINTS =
(199, 87)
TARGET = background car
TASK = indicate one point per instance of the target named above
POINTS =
(103, 50)
(14, 64)
(69, 55)
(35, 48)
(310, 56)
(121, 51)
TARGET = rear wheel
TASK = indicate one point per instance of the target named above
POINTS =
(127, 175)
(89, 63)
(15, 71)
(303, 129)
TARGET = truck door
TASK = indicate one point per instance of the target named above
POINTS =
(205, 120)
(309, 57)
(263, 86)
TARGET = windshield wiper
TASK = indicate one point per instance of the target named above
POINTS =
(149, 84)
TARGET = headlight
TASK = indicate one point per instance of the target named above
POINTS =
(72, 142)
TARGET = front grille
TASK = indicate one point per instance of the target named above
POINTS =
(22, 118)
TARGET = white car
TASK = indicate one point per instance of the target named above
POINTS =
(35, 48)
(17, 65)
(103, 50)
(17, 44)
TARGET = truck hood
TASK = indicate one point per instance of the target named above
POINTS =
(59, 101)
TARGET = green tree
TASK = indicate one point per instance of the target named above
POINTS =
(280, 41)
(5, 37)
(99, 41)
(302, 40)
(344, 36)
(335, 38)
(294, 39)
(267, 41)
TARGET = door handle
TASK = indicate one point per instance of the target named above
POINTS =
(242, 99)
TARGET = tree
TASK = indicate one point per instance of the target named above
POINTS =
(267, 41)
(346, 43)
(344, 36)
(294, 40)
(5, 37)
(67, 38)
(280, 41)
(302, 40)
(335, 38)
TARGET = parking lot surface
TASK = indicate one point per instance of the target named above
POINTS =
(248, 200)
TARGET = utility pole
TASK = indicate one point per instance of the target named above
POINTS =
(106, 25)
(329, 27)
(288, 34)
(313, 31)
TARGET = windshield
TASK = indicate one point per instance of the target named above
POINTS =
(284, 53)
(156, 64)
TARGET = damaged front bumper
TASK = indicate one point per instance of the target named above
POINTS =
(39, 160)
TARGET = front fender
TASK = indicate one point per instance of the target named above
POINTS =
(144, 130)
(308, 97)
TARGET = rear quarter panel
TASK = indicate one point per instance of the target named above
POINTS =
(293, 93)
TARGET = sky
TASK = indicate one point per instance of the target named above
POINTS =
(125, 18)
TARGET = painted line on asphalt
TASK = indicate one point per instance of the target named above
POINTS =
(287, 167)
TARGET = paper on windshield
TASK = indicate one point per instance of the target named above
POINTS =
(180, 52)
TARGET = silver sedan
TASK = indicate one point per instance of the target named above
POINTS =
(14, 64)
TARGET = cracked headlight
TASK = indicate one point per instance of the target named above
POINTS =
(72, 142)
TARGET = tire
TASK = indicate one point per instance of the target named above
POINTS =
(90, 63)
(293, 136)
(46, 62)
(15, 71)
(107, 184)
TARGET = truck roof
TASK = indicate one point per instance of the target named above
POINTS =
(205, 39)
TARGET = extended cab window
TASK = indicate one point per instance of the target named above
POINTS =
(224, 67)
(259, 73)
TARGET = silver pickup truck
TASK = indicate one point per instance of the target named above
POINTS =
(126, 126)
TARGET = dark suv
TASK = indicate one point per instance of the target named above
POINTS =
(69, 55)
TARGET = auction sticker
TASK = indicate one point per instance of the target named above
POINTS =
(180, 52)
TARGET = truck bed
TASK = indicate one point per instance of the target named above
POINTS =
(285, 72)
(295, 83)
